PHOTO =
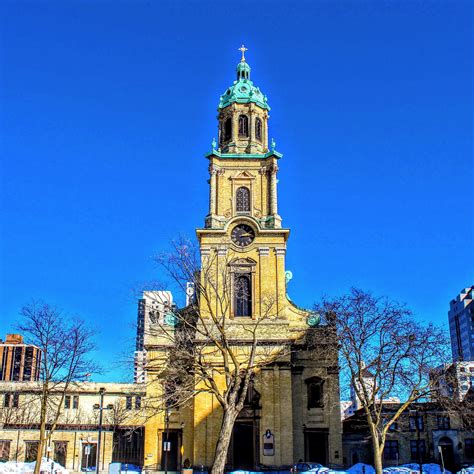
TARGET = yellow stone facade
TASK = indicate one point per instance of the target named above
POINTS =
(243, 235)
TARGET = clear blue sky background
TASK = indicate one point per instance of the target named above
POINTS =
(108, 107)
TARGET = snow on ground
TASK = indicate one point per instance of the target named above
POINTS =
(29, 467)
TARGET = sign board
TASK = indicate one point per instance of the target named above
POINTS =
(268, 444)
(166, 445)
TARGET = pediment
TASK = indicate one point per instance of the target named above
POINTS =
(242, 262)
(243, 175)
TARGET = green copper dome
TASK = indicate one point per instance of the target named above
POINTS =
(243, 91)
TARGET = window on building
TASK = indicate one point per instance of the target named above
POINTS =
(17, 355)
(258, 129)
(315, 392)
(60, 452)
(128, 402)
(6, 400)
(243, 199)
(469, 448)
(227, 130)
(75, 402)
(5, 450)
(393, 426)
(417, 450)
(138, 402)
(443, 423)
(67, 401)
(31, 450)
(390, 452)
(416, 422)
(11, 400)
(243, 294)
(28, 366)
(243, 126)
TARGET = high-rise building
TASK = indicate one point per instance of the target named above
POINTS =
(152, 308)
(18, 361)
(461, 325)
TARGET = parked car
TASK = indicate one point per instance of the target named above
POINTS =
(307, 466)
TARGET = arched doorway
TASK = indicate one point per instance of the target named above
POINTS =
(244, 446)
(446, 445)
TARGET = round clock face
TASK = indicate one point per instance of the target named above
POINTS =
(242, 235)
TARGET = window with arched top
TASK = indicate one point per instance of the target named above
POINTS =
(315, 392)
(243, 126)
(258, 129)
(243, 294)
(243, 199)
(227, 132)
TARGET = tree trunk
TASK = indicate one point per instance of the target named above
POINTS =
(378, 453)
(222, 447)
(39, 454)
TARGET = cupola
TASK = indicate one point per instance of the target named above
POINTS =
(243, 114)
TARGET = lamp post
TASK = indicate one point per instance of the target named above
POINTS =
(166, 446)
(101, 411)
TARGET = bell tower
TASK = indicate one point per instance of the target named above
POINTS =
(243, 227)
(242, 166)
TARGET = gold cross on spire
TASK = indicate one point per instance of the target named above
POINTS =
(243, 49)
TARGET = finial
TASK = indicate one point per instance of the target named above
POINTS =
(213, 143)
(243, 49)
(273, 145)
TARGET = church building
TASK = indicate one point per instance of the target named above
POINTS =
(293, 411)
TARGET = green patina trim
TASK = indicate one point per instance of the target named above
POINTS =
(244, 155)
(243, 90)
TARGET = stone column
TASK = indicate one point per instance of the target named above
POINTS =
(265, 131)
(262, 274)
(212, 190)
(273, 190)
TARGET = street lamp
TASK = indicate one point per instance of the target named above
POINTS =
(101, 408)
(166, 444)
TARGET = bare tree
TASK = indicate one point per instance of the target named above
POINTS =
(384, 353)
(208, 351)
(65, 346)
(449, 391)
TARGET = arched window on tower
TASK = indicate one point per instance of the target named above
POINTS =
(315, 392)
(242, 199)
(243, 294)
(258, 129)
(227, 135)
(243, 126)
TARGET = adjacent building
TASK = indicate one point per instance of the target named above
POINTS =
(461, 325)
(18, 361)
(416, 437)
(153, 308)
(453, 381)
(74, 442)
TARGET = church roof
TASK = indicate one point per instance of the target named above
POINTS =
(243, 90)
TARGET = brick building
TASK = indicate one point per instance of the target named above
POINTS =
(18, 361)
(415, 437)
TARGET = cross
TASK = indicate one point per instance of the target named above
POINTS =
(243, 49)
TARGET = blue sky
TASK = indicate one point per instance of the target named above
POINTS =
(107, 109)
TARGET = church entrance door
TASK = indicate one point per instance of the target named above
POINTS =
(171, 450)
(242, 452)
(316, 447)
